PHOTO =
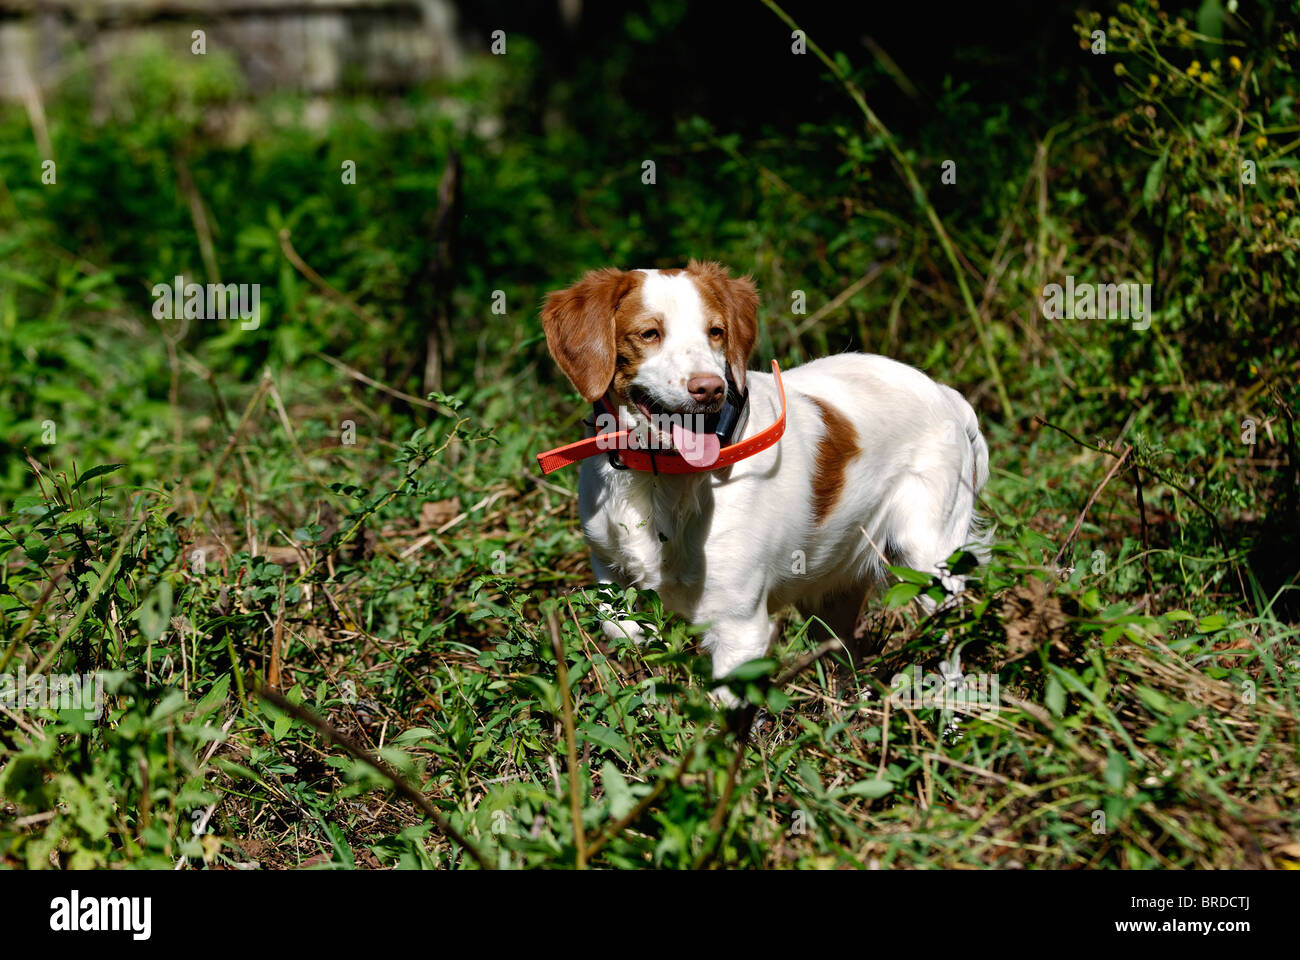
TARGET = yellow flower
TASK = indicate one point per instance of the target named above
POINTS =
(1152, 81)
(1120, 69)
(1234, 62)
(1194, 69)
(1261, 142)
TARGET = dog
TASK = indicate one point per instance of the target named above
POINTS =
(877, 463)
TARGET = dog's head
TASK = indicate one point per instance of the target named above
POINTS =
(660, 340)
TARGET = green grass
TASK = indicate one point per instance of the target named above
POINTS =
(394, 564)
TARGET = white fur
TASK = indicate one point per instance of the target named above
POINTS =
(686, 348)
(727, 548)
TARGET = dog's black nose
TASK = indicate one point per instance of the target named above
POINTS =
(706, 387)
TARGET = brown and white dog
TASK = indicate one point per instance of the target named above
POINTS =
(878, 463)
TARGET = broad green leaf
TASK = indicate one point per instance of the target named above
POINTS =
(1116, 770)
(868, 788)
(751, 670)
(617, 791)
(1155, 700)
(908, 575)
(1155, 174)
(156, 612)
(214, 697)
(99, 471)
(1055, 697)
(603, 736)
(901, 594)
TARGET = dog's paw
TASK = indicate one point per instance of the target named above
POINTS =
(615, 628)
(638, 633)
(724, 699)
(954, 584)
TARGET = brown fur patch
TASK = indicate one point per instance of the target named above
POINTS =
(581, 328)
(733, 303)
(631, 320)
(837, 446)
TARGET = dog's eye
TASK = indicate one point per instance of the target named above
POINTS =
(716, 333)
(650, 336)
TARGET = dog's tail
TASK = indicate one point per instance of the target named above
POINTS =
(980, 534)
(969, 423)
(981, 452)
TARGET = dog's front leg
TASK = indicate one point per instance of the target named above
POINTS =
(736, 638)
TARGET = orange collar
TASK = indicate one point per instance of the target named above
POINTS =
(666, 461)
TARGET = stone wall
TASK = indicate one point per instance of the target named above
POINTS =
(315, 46)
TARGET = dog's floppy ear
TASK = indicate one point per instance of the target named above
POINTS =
(737, 300)
(579, 325)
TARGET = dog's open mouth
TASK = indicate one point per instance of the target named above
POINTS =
(689, 432)
(651, 408)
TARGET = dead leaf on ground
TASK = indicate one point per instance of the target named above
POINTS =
(1030, 613)
(434, 513)
(1287, 856)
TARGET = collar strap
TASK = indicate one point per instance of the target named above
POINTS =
(664, 461)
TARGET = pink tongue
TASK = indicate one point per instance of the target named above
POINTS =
(697, 449)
